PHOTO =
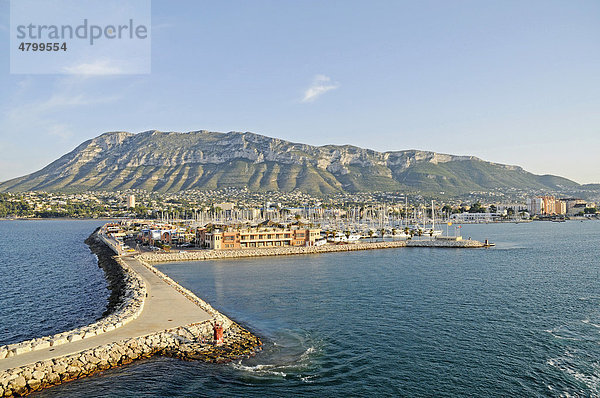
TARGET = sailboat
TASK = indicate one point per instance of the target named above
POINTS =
(432, 231)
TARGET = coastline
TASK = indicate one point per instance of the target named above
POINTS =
(192, 341)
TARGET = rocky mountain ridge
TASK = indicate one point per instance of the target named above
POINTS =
(171, 161)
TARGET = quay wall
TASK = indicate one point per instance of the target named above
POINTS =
(196, 255)
(261, 252)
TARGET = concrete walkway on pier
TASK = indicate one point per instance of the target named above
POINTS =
(164, 308)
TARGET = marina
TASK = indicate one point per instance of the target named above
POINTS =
(147, 321)
(308, 314)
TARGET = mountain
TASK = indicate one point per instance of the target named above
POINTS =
(170, 162)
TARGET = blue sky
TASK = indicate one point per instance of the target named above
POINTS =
(514, 82)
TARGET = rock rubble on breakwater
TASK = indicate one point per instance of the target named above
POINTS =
(194, 341)
(188, 342)
(196, 255)
(113, 272)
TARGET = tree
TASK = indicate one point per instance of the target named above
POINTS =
(477, 208)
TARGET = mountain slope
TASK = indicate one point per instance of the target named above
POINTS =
(170, 162)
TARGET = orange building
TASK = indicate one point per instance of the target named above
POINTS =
(256, 238)
(547, 205)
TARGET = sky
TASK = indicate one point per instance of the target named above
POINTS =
(513, 82)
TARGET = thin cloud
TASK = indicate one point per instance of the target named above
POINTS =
(319, 86)
(60, 130)
(51, 114)
(100, 67)
(56, 102)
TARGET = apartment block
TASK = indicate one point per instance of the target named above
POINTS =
(218, 239)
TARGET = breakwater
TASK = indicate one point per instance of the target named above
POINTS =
(126, 303)
(196, 255)
(445, 243)
(127, 334)
(186, 342)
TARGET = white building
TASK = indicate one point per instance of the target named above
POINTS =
(131, 201)
(516, 207)
(475, 217)
(535, 205)
(225, 206)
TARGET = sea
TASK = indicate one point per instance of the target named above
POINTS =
(521, 319)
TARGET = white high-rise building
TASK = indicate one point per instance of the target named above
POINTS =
(535, 205)
(131, 201)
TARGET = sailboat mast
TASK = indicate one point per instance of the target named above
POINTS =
(432, 217)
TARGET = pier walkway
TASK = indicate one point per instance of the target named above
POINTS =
(164, 308)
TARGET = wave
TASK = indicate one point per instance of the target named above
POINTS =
(306, 354)
(567, 366)
(587, 321)
(261, 369)
(308, 379)
(553, 332)
(289, 367)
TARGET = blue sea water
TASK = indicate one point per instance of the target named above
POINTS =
(49, 280)
(520, 320)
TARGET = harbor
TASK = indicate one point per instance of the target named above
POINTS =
(143, 323)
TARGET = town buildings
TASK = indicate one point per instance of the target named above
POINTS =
(220, 237)
(546, 205)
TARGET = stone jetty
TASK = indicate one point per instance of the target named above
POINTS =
(196, 255)
(142, 324)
